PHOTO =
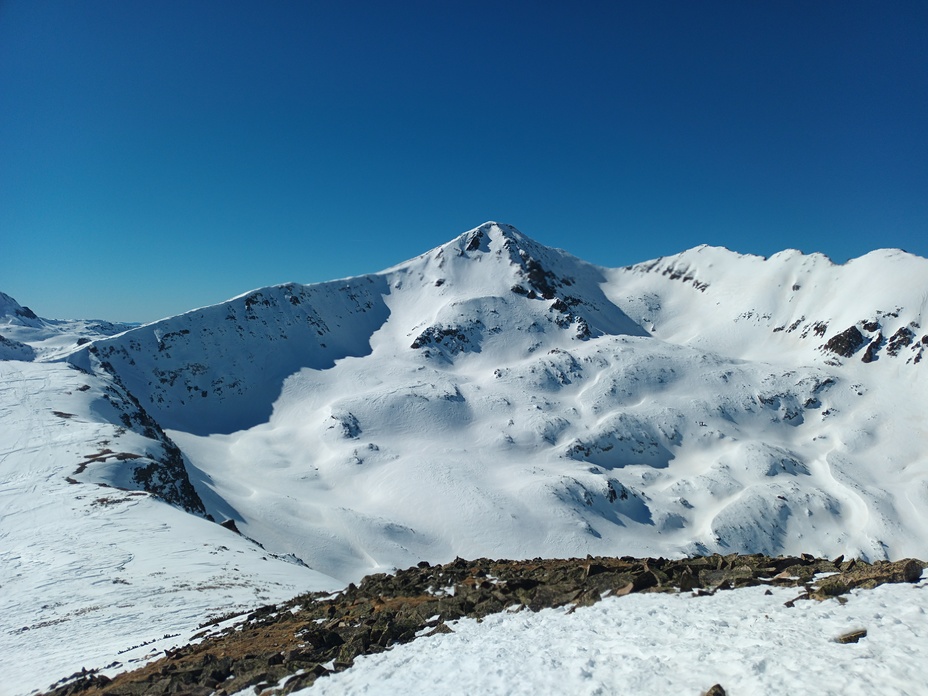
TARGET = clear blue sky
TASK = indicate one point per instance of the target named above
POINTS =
(159, 156)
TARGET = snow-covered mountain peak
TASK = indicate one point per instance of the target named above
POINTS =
(494, 233)
(494, 285)
(788, 306)
(493, 397)
(494, 240)
(11, 312)
(26, 336)
(491, 291)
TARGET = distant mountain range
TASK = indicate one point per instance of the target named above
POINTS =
(493, 397)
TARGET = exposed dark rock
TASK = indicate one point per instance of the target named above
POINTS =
(818, 328)
(474, 242)
(872, 349)
(845, 343)
(167, 478)
(26, 313)
(317, 631)
(165, 475)
(903, 337)
(452, 340)
(346, 424)
(715, 690)
(852, 636)
(541, 280)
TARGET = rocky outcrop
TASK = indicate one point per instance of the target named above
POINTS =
(903, 337)
(278, 649)
(14, 350)
(163, 473)
(845, 343)
(849, 341)
(672, 270)
(452, 339)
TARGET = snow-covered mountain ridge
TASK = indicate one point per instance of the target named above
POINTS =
(695, 403)
(261, 337)
(876, 303)
(490, 398)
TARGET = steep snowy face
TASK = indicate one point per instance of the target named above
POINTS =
(15, 350)
(13, 318)
(219, 369)
(96, 568)
(491, 397)
(494, 397)
(790, 306)
(13, 313)
(493, 289)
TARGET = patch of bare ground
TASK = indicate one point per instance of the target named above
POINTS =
(278, 649)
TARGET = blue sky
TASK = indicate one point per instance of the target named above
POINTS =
(159, 156)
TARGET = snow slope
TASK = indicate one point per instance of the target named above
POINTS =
(26, 336)
(94, 570)
(782, 308)
(744, 640)
(492, 397)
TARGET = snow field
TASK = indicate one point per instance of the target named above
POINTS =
(697, 414)
(94, 576)
(745, 640)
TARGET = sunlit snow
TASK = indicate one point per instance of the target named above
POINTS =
(745, 640)
(492, 397)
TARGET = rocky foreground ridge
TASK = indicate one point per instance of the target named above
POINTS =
(280, 648)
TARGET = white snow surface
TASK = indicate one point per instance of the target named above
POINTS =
(97, 576)
(492, 397)
(684, 423)
(745, 640)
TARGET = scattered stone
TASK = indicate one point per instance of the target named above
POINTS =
(852, 636)
(867, 577)
(315, 634)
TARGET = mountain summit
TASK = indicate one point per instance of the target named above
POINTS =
(11, 312)
(496, 397)
(492, 397)
(220, 368)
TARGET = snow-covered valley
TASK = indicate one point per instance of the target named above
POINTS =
(490, 398)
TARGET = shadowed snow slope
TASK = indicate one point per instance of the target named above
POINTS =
(512, 404)
(94, 570)
(492, 397)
